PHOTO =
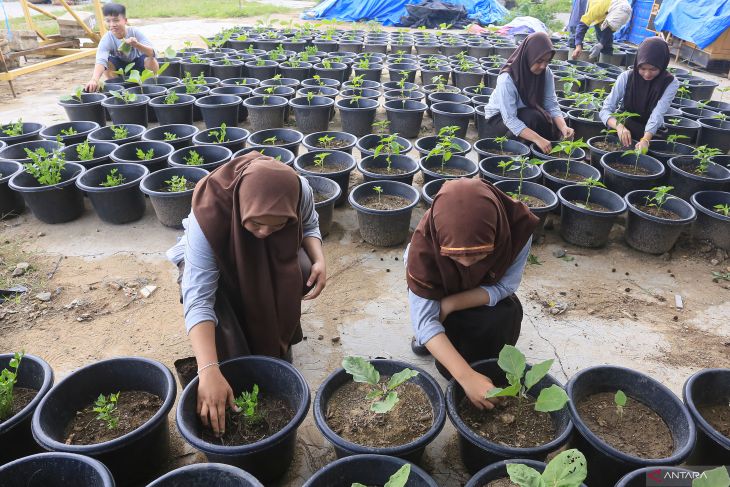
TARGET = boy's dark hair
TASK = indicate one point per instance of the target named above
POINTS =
(114, 9)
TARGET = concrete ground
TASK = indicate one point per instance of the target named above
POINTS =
(590, 307)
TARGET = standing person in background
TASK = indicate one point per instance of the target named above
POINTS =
(120, 46)
(606, 16)
(576, 12)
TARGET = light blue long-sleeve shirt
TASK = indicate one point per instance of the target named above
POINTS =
(109, 46)
(506, 101)
(425, 312)
(616, 99)
(200, 277)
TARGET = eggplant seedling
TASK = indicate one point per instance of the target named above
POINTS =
(85, 151)
(384, 396)
(620, 400)
(123, 72)
(113, 178)
(513, 363)
(75, 96)
(145, 156)
(247, 403)
(13, 129)
(119, 132)
(568, 469)
(106, 409)
(326, 141)
(8, 378)
(193, 159)
(219, 135)
(125, 96)
(398, 479)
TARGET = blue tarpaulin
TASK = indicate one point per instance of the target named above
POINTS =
(389, 12)
(698, 21)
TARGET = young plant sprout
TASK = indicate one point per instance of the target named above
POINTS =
(620, 400)
(568, 147)
(13, 129)
(119, 132)
(723, 209)
(512, 362)
(310, 95)
(720, 116)
(388, 145)
(672, 139)
(106, 409)
(75, 96)
(191, 84)
(621, 117)
(501, 141)
(568, 469)
(247, 403)
(506, 165)
(123, 72)
(590, 183)
(171, 98)
(177, 184)
(320, 157)
(139, 78)
(522, 162)
(113, 178)
(398, 479)
(271, 140)
(568, 83)
(704, 155)
(170, 136)
(384, 396)
(326, 141)
(193, 159)
(85, 151)
(219, 135)
(379, 190)
(683, 90)
(661, 196)
(125, 96)
(674, 121)
(69, 131)
(45, 167)
(382, 126)
(145, 156)
(355, 99)
(357, 81)
(8, 378)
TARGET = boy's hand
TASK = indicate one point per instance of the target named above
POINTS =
(132, 41)
(92, 86)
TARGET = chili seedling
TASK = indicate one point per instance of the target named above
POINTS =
(704, 155)
(145, 156)
(75, 96)
(661, 196)
(384, 396)
(320, 157)
(379, 190)
(568, 147)
(193, 159)
(672, 139)
(113, 178)
(501, 141)
(326, 141)
(125, 96)
(8, 378)
(310, 95)
(590, 183)
(723, 209)
(567, 469)
(674, 121)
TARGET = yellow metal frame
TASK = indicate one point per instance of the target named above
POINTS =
(60, 55)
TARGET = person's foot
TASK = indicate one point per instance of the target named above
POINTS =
(596, 51)
(419, 350)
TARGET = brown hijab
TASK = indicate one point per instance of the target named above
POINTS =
(642, 96)
(530, 87)
(468, 216)
(262, 277)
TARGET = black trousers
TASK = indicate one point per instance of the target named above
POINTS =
(480, 333)
(531, 117)
(604, 36)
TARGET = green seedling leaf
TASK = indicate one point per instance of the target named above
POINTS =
(620, 398)
(524, 476)
(400, 477)
(400, 377)
(568, 469)
(382, 407)
(512, 361)
(717, 477)
(551, 398)
(361, 370)
(510, 391)
(537, 372)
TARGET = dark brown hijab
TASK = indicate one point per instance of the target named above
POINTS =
(468, 216)
(642, 96)
(531, 87)
(262, 277)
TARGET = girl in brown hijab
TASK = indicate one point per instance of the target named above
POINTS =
(647, 90)
(524, 103)
(463, 265)
(244, 271)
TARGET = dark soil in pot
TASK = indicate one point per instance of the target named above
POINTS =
(489, 169)
(273, 415)
(151, 154)
(539, 199)
(171, 207)
(265, 112)
(69, 132)
(325, 193)
(600, 145)
(559, 173)
(393, 168)
(87, 108)
(456, 167)
(357, 117)
(28, 131)
(177, 135)
(706, 394)
(233, 139)
(711, 224)
(655, 229)
(312, 115)
(446, 114)
(687, 179)
(622, 174)
(424, 145)
(59, 203)
(368, 468)
(134, 112)
(405, 117)
(337, 166)
(489, 147)
(207, 157)
(11, 203)
(285, 138)
(118, 204)
(117, 134)
(56, 470)
(341, 141)
(279, 153)
(586, 218)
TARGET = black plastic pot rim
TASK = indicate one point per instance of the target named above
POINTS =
(12, 421)
(111, 445)
(39, 189)
(321, 102)
(308, 139)
(74, 103)
(159, 101)
(636, 177)
(464, 144)
(608, 450)
(297, 137)
(391, 107)
(101, 470)
(231, 140)
(105, 167)
(169, 149)
(607, 214)
(348, 168)
(274, 101)
(48, 136)
(333, 197)
(698, 177)
(365, 160)
(700, 421)
(114, 102)
(704, 209)
(225, 154)
(443, 107)
(258, 446)
(204, 101)
(526, 185)
(163, 128)
(710, 124)
(168, 194)
(664, 221)
(3, 179)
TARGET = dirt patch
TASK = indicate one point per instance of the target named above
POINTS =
(609, 146)
(133, 409)
(569, 177)
(320, 197)
(449, 171)
(326, 168)
(394, 171)
(718, 415)
(510, 423)
(638, 431)
(630, 169)
(22, 396)
(349, 416)
(530, 201)
(272, 415)
(333, 144)
(659, 212)
(503, 482)
(590, 206)
(384, 202)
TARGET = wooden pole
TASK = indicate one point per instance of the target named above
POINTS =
(29, 20)
(99, 18)
(40, 10)
(92, 35)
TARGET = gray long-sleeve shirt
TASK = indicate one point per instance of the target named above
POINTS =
(616, 99)
(506, 101)
(425, 312)
(109, 46)
(200, 277)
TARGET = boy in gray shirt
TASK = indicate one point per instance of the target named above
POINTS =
(120, 46)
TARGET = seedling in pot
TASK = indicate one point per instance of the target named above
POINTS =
(139, 78)
(85, 151)
(672, 139)
(621, 117)
(521, 163)
(620, 400)
(119, 132)
(125, 96)
(501, 141)
(720, 116)
(674, 121)
(8, 378)
(271, 140)
(568, 147)
(568, 83)
(326, 141)
(45, 167)
(723, 209)
(171, 98)
(270, 91)
(219, 135)
(177, 184)
(319, 159)
(590, 183)
(247, 403)
(402, 81)
(703, 154)
(384, 396)
(13, 129)
(113, 178)
(75, 96)
(378, 190)
(193, 159)
(196, 59)
(661, 195)
(398, 479)
(683, 90)
(355, 99)
(318, 79)
(512, 362)
(106, 409)
(381, 127)
(326, 64)
(191, 84)
(388, 145)
(123, 72)
(145, 156)
(357, 81)
(69, 131)
(310, 95)
(170, 136)
(506, 165)
(567, 469)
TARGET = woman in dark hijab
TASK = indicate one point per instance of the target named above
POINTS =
(245, 259)
(646, 90)
(463, 268)
(524, 103)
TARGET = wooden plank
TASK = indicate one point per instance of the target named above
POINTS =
(44, 12)
(31, 68)
(29, 20)
(40, 50)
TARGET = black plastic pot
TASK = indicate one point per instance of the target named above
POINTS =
(325, 208)
(405, 116)
(242, 92)
(202, 90)
(203, 474)
(695, 113)
(292, 139)
(430, 189)
(577, 154)
(106, 134)
(489, 169)
(581, 226)
(447, 114)
(652, 234)
(183, 132)
(662, 150)
(235, 138)
(647, 475)
(367, 144)
(11, 203)
(371, 469)
(312, 115)
(424, 145)
(498, 470)
(576, 168)
(714, 133)
(134, 112)
(17, 152)
(283, 155)
(686, 182)
(56, 470)
(336, 71)
(83, 129)
(180, 112)
(265, 113)
(606, 465)
(585, 129)
(213, 156)
(429, 165)
(128, 153)
(476, 451)
(267, 459)
(406, 164)
(488, 148)
(300, 72)
(357, 117)
(413, 451)
(341, 176)
(710, 224)
(219, 109)
(311, 141)
(536, 190)
(87, 109)
(171, 208)
(133, 457)
(621, 183)
(708, 386)
(102, 150)
(152, 91)
(194, 69)
(226, 69)
(15, 435)
(59, 203)
(596, 153)
(686, 126)
(116, 204)
(30, 132)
